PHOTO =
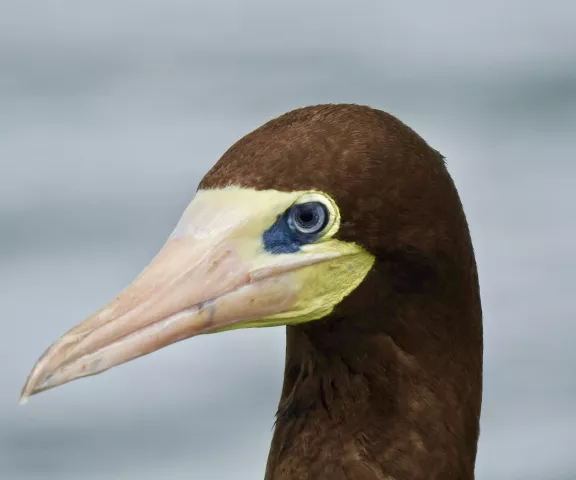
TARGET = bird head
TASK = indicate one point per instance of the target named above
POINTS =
(288, 223)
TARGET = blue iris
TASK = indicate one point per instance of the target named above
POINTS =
(299, 225)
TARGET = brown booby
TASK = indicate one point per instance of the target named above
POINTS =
(341, 223)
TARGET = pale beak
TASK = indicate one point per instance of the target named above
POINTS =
(203, 280)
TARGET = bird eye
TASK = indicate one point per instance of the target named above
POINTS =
(308, 218)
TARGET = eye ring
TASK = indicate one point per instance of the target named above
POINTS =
(309, 218)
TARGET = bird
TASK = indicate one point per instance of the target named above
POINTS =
(341, 223)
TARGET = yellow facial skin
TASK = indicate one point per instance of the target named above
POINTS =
(213, 274)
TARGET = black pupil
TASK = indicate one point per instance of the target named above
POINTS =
(309, 218)
(306, 216)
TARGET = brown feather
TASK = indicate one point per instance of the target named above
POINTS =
(389, 385)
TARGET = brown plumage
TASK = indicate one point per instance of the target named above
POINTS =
(389, 385)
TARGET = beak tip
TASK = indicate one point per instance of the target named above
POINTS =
(25, 394)
(30, 387)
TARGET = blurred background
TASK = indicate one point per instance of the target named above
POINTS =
(111, 112)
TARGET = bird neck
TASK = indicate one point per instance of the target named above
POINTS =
(363, 399)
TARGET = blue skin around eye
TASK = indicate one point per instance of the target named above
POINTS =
(280, 238)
